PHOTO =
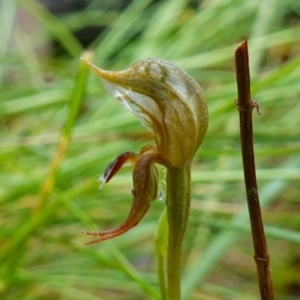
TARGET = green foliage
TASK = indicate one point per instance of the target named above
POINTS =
(41, 249)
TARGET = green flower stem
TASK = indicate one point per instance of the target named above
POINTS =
(178, 206)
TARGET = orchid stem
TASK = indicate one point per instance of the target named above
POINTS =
(178, 205)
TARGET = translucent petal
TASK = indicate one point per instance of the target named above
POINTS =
(142, 106)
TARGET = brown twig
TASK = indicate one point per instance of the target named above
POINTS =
(245, 106)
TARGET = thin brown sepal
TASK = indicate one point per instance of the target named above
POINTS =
(245, 106)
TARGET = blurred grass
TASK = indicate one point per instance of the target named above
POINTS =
(44, 257)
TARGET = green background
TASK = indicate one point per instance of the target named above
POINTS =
(49, 193)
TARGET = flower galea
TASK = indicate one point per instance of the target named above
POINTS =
(172, 106)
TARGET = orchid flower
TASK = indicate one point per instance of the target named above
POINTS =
(171, 105)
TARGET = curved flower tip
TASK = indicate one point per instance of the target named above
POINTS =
(145, 189)
(167, 101)
(124, 159)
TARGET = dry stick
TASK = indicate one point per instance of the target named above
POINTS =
(245, 106)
